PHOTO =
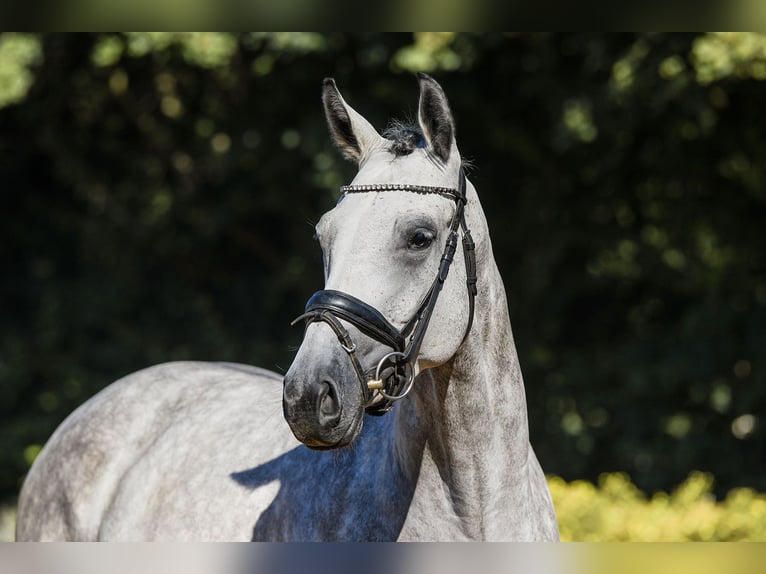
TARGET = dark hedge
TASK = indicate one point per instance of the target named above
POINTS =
(158, 194)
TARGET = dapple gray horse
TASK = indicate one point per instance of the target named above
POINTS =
(201, 451)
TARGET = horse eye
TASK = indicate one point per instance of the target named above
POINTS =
(420, 240)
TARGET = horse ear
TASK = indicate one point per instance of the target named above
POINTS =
(353, 134)
(435, 117)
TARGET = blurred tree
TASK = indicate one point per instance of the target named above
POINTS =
(159, 189)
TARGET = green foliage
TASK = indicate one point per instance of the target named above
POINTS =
(18, 53)
(729, 54)
(617, 511)
(430, 51)
(159, 188)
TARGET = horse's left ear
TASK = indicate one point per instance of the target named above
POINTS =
(435, 117)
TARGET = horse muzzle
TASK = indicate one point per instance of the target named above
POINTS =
(322, 410)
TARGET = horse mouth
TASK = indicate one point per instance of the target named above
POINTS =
(353, 430)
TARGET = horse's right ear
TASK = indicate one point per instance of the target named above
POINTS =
(353, 134)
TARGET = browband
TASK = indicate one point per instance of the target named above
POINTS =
(457, 195)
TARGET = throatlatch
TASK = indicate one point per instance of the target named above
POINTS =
(394, 375)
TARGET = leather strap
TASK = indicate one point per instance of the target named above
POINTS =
(363, 316)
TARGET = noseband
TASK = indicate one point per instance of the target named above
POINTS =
(394, 375)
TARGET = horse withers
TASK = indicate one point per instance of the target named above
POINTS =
(406, 393)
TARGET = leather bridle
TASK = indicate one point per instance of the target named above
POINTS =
(394, 375)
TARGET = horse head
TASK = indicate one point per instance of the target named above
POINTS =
(393, 302)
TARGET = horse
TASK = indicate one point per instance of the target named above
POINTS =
(403, 413)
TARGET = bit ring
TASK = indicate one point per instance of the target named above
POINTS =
(410, 382)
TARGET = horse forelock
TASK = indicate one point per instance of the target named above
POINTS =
(405, 137)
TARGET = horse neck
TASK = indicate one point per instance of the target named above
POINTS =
(471, 459)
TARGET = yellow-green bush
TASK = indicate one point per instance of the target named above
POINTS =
(7, 523)
(616, 510)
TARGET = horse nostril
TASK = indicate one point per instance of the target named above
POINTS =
(328, 404)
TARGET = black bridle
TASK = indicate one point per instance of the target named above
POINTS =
(394, 375)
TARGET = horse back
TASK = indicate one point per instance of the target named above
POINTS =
(72, 486)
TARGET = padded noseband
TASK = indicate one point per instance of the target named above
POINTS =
(363, 316)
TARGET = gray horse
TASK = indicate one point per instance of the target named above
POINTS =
(201, 451)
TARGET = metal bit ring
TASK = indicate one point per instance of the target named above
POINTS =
(410, 382)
